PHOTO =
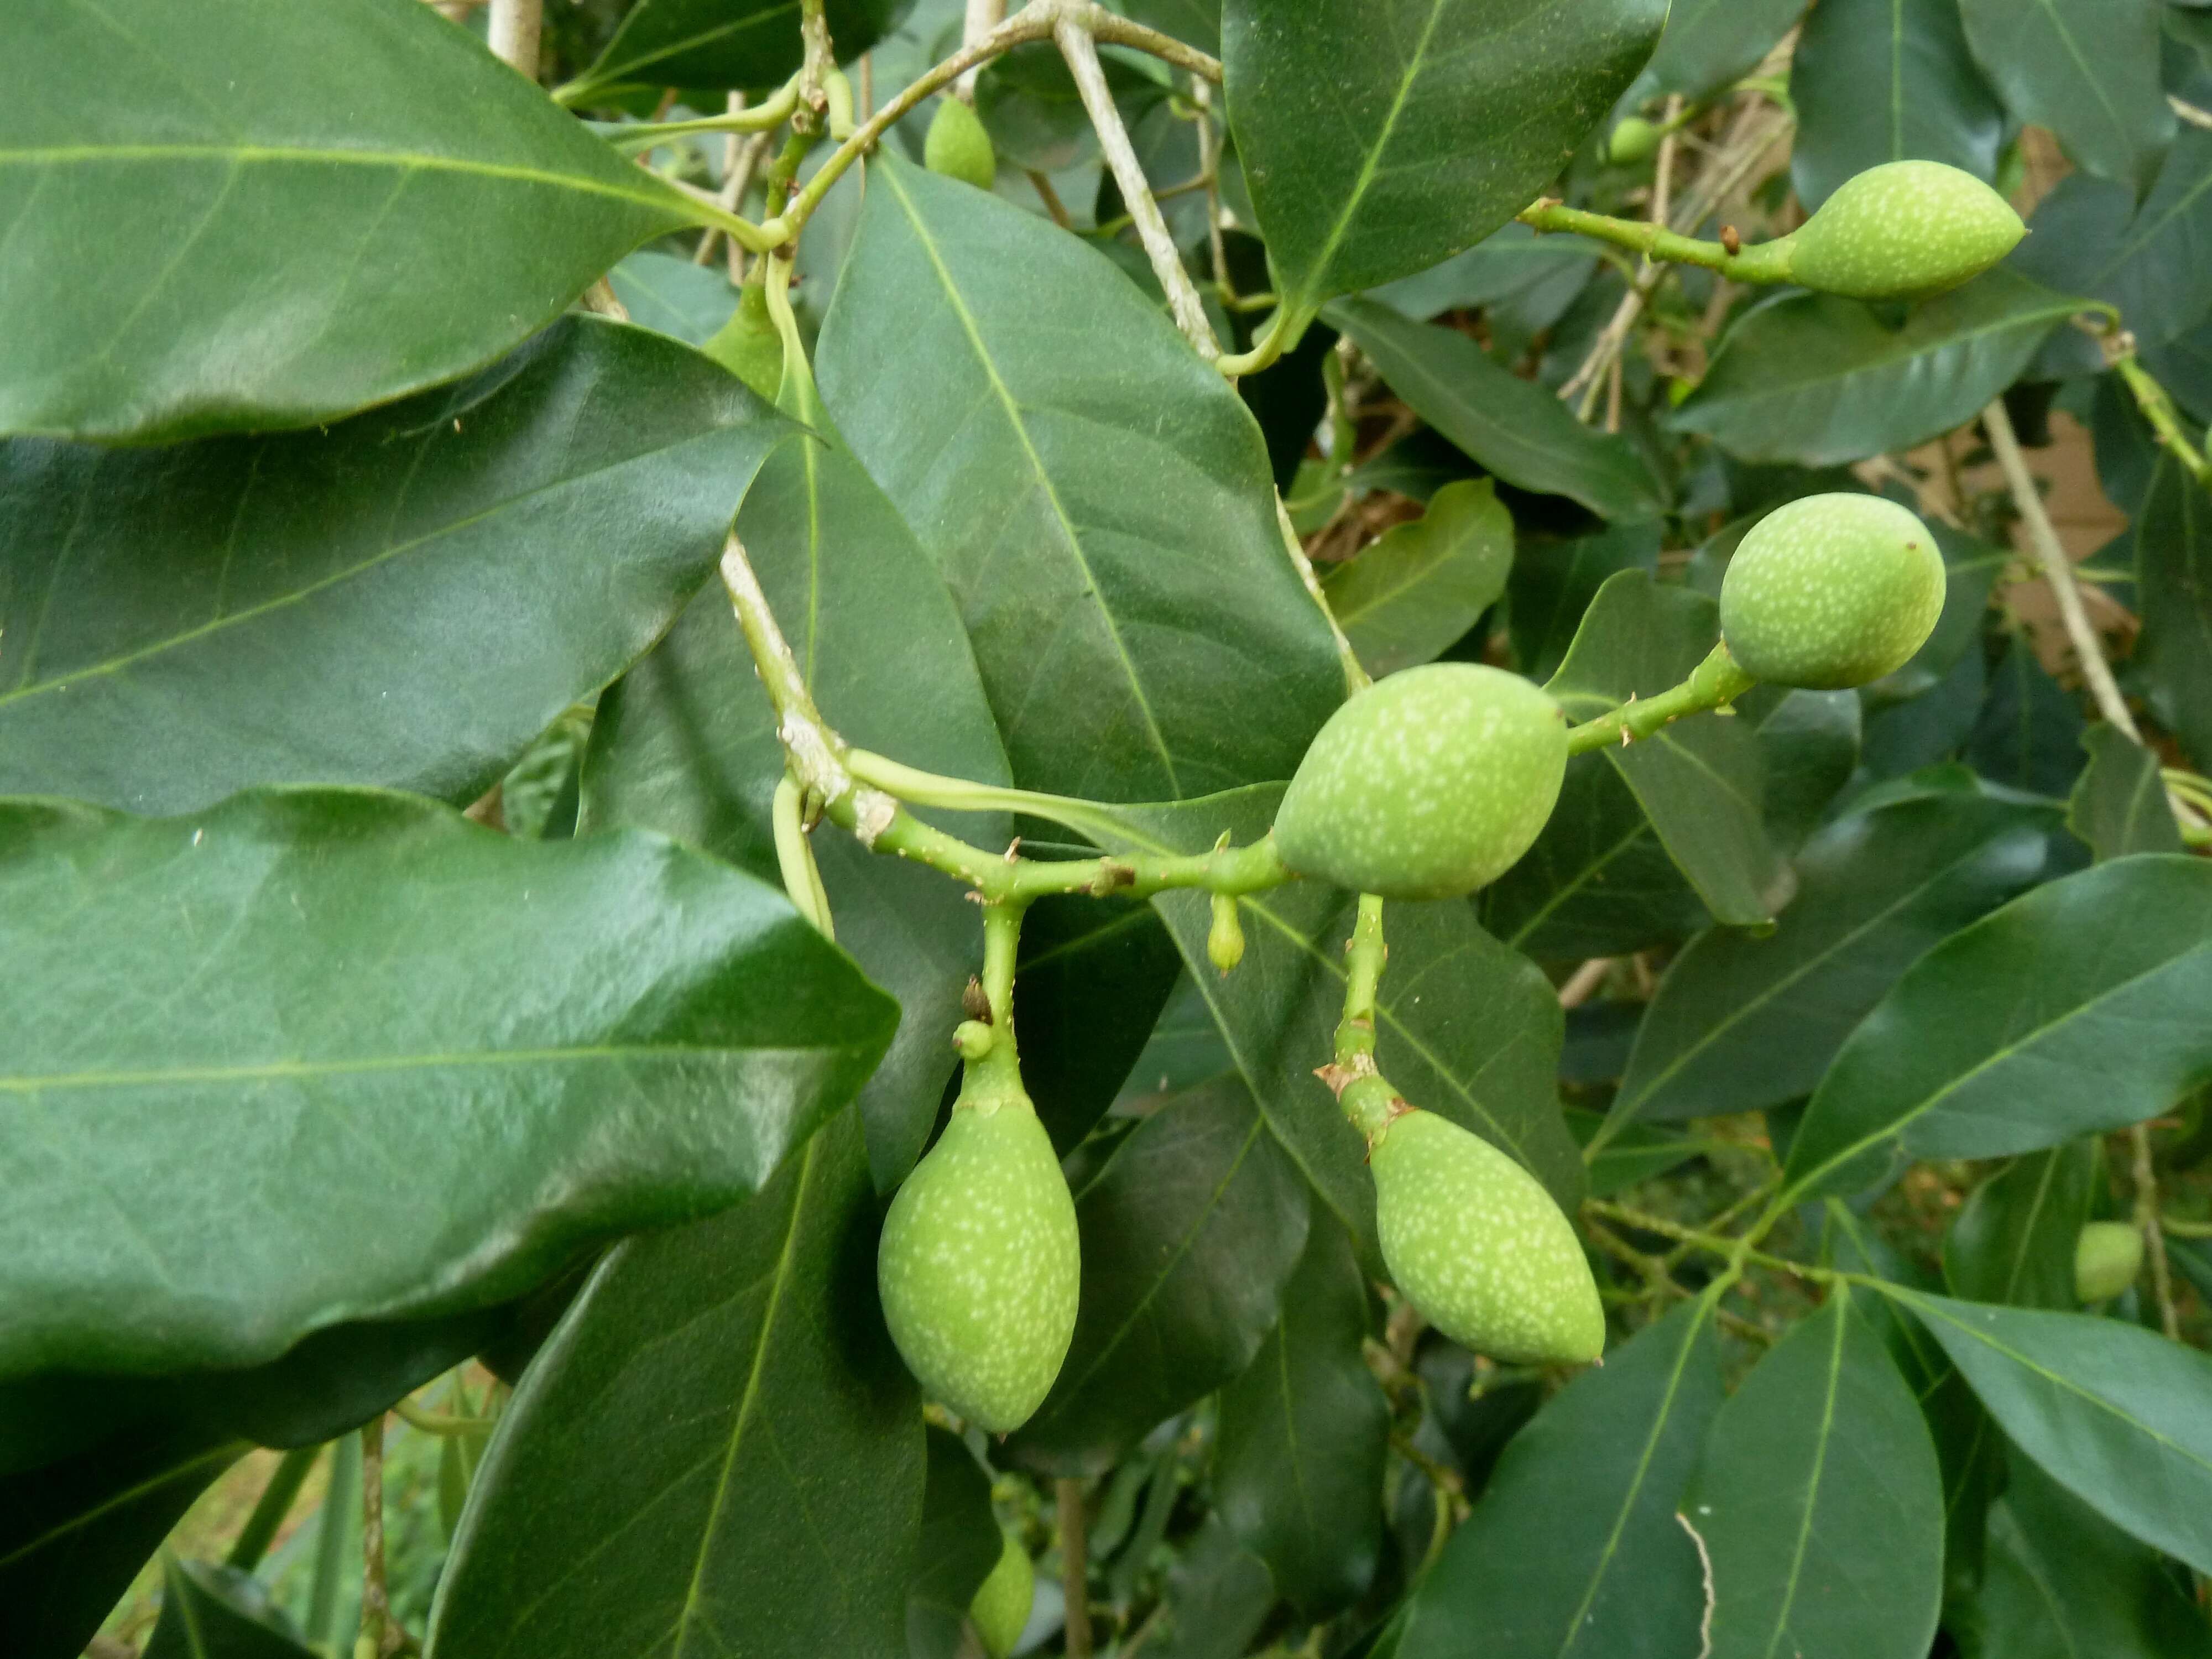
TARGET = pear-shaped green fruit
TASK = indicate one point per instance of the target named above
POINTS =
(1903, 228)
(957, 146)
(2106, 1259)
(1476, 1243)
(1831, 591)
(1001, 1606)
(1427, 785)
(978, 1266)
(1632, 141)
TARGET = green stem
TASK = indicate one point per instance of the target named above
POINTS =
(1764, 262)
(1275, 337)
(2181, 1229)
(960, 795)
(759, 118)
(1363, 978)
(1713, 683)
(270, 1509)
(2158, 409)
(1002, 942)
(440, 1423)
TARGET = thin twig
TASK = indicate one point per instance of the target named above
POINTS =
(983, 16)
(1074, 1567)
(1356, 677)
(2154, 1230)
(1583, 980)
(1209, 167)
(1082, 54)
(512, 32)
(377, 1627)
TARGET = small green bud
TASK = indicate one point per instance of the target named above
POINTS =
(978, 1268)
(1225, 940)
(957, 146)
(1001, 1606)
(748, 345)
(1475, 1243)
(1429, 784)
(2106, 1259)
(1901, 229)
(1831, 590)
(973, 1038)
(1634, 140)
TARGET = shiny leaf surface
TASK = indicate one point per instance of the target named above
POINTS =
(1422, 584)
(2086, 69)
(1879, 80)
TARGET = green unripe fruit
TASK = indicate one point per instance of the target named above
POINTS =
(1476, 1243)
(1831, 590)
(978, 1266)
(1903, 228)
(1430, 783)
(1001, 1606)
(1634, 140)
(2106, 1259)
(957, 146)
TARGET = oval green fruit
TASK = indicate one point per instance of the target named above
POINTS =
(1632, 141)
(978, 1268)
(1903, 228)
(1831, 590)
(1476, 1243)
(957, 146)
(2106, 1259)
(1427, 785)
(1001, 1606)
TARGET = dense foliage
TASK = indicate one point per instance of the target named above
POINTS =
(576, 643)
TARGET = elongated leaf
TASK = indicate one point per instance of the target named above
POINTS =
(1879, 80)
(718, 1451)
(748, 45)
(687, 743)
(1093, 977)
(1378, 139)
(1710, 43)
(1817, 1484)
(1424, 583)
(1297, 1462)
(2119, 806)
(674, 296)
(1103, 515)
(2086, 69)
(1552, 587)
(959, 1546)
(2118, 1416)
(2019, 1032)
(1699, 780)
(1743, 1022)
(2173, 582)
(2064, 1583)
(1218, 1595)
(1819, 379)
(1575, 1551)
(73, 1534)
(2028, 735)
(1514, 269)
(406, 600)
(1810, 743)
(1516, 429)
(380, 1077)
(1190, 1234)
(217, 1613)
(216, 251)
(2014, 1242)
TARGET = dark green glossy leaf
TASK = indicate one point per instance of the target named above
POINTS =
(1035, 115)
(2028, 736)
(383, 1082)
(1298, 1457)
(178, 623)
(1744, 1021)
(73, 1534)
(1640, 1152)
(2118, 1416)
(1819, 1503)
(1927, 729)
(1190, 1232)
(213, 1612)
(718, 1452)
(1093, 977)
(686, 743)
(1378, 139)
(216, 251)
(1218, 1595)
(1186, 1047)
(1518, 429)
(960, 1544)
(674, 296)
(2119, 804)
(538, 797)
(1879, 80)
(2063, 1583)
(2013, 1241)
(2086, 69)
(1552, 585)
(2012, 1036)
(1810, 743)
(1103, 515)
(1574, 1551)
(1512, 267)
(1598, 882)
(1710, 43)
(2174, 584)
(1424, 583)
(2088, 237)
(1818, 379)
(1699, 780)
(1278, 1012)
(748, 45)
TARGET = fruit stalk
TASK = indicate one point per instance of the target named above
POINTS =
(1713, 683)
(1762, 262)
